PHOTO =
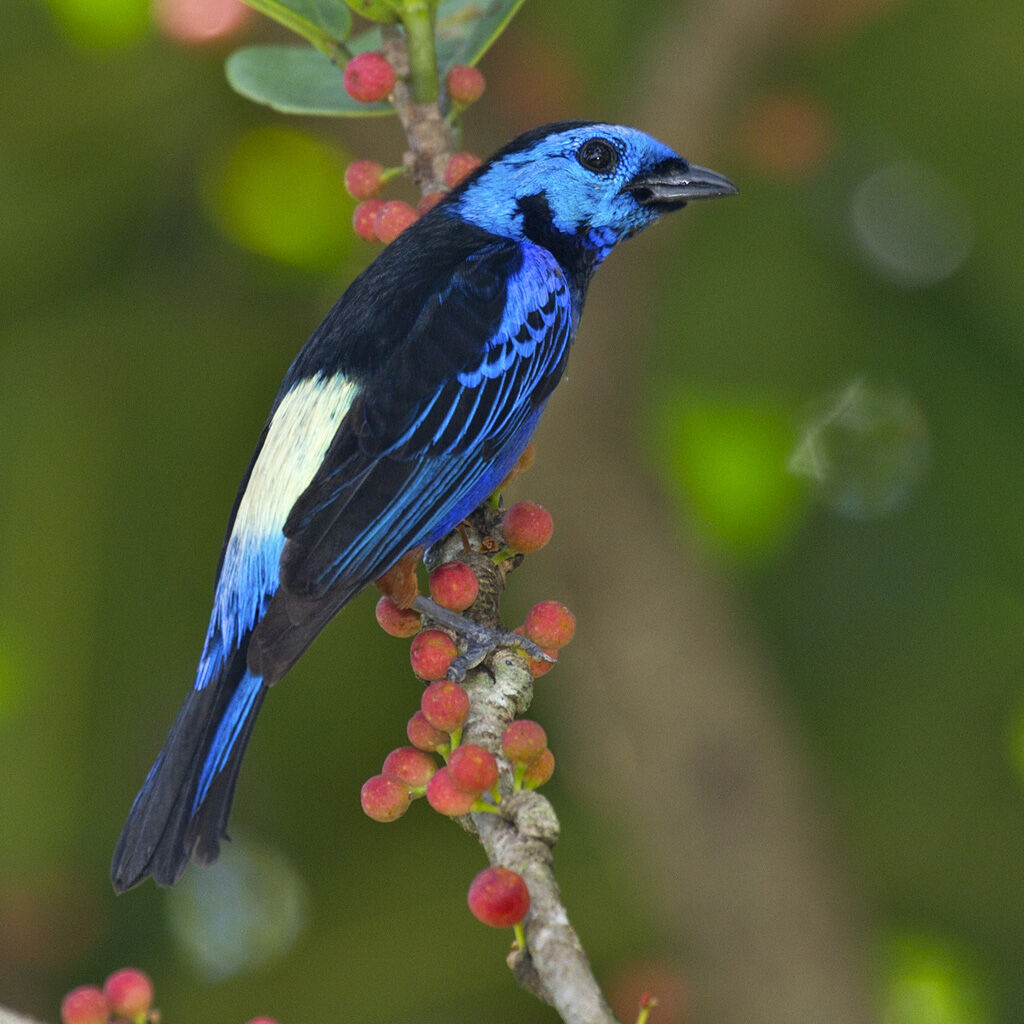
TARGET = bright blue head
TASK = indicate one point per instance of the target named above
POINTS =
(582, 186)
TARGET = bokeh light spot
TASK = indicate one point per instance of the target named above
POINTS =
(279, 193)
(927, 981)
(194, 22)
(910, 226)
(863, 450)
(726, 461)
(241, 912)
(101, 24)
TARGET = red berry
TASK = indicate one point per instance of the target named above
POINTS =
(465, 84)
(384, 798)
(129, 992)
(499, 897)
(540, 771)
(454, 585)
(539, 667)
(392, 218)
(412, 766)
(446, 798)
(472, 768)
(364, 219)
(423, 735)
(524, 741)
(397, 621)
(431, 653)
(363, 179)
(263, 1020)
(369, 77)
(445, 705)
(550, 624)
(459, 166)
(527, 527)
(85, 1005)
(428, 202)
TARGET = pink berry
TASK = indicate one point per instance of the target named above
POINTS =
(430, 654)
(465, 84)
(423, 735)
(446, 798)
(454, 585)
(550, 624)
(263, 1020)
(459, 166)
(85, 1005)
(364, 219)
(384, 798)
(540, 771)
(363, 179)
(428, 202)
(129, 992)
(527, 527)
(392, 219)
(499, 897)
(445, 705)
(397, 621)
(524, 741)
(412, 766)
(369, 77)
(472, 768)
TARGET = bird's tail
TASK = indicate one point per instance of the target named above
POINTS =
(182, 809)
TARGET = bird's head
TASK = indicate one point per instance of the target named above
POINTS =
(582, 186)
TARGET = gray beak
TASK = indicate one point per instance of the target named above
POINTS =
(674, 182)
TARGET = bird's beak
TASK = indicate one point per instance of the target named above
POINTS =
(674, 182)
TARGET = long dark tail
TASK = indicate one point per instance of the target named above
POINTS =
(181, 812)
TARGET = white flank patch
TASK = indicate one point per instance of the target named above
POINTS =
(300, 434)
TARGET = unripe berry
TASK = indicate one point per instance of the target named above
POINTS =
(550, 624)
(445, 705)
(459, 166)
(498, 897)
(412, 766)
(465, 84)
(397, 621)
(454, 585)
(526, 460)
(430, 654)
(446, 798)
(85, 1005)
(363, 179)
(364, 219)
(428, 202)
(384, 798)
(527, 527)
(540, 771)
(369, 77)
(524, 741)
(392, 218)
(129, 993)
(423, 735)
(472, 768)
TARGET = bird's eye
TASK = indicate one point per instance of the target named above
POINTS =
(598, 155)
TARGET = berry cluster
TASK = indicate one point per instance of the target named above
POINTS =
(370, 78)
(127, 995)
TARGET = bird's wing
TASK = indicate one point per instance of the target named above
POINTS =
(410, 461)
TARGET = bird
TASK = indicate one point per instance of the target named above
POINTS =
(403, 412)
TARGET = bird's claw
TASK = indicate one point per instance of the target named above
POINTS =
(480, 640)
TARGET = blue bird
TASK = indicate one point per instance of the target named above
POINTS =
(404, 411)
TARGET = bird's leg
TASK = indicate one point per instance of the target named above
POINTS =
(480, 640)
(399, 583)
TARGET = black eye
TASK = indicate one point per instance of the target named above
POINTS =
(598, 155)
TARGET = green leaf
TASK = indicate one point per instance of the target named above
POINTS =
(295, 80)
(324, 23)
(465, 30)
(375, 10)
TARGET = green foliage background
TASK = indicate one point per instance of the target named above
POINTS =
(140, 345)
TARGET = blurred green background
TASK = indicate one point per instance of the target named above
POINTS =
(832, 375)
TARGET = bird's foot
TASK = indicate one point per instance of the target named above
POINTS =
(480, 640)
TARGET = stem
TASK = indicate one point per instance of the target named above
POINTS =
(313, 34)
(418, 18)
